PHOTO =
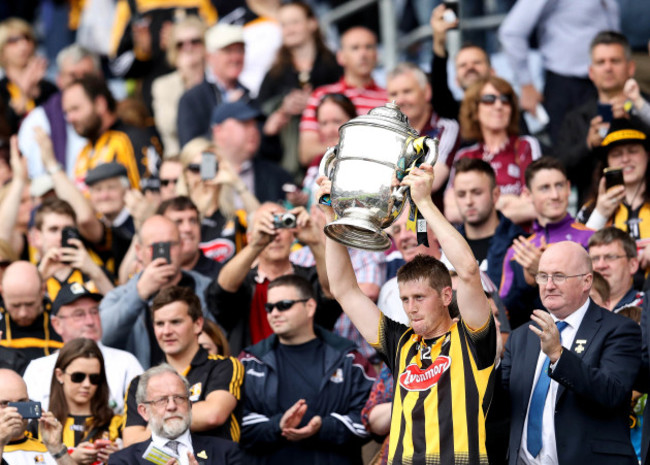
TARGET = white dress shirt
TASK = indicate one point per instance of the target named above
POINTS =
(185, 445)
(548, 454)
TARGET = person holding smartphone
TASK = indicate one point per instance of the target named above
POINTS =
(622, 200)
(79, 401)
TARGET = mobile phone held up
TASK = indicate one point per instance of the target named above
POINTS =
(161, 250)
(451, 11)
(28, 410)
(67, 233)
(613, 177)
(208, 166)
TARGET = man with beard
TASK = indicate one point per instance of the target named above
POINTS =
(183, 212)
(90, 108)
(472, 64)
(216, 381)
(163, 398)
(488, 232)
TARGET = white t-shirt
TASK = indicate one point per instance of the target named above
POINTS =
(121, 368)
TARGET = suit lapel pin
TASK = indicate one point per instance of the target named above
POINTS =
(580, 345)
(202, 455)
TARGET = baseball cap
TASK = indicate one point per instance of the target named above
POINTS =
(70, 293)
(105, 171)
(222, 35)
(239, 110)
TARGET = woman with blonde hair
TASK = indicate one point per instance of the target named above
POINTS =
(22, 87)
(186, 53)
(224, 201)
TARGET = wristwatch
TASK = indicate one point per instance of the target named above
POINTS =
(61, 453)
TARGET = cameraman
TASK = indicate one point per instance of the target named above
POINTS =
(238, 295)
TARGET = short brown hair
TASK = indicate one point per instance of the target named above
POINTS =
(465, 165)
(425, 268)
(632, 312)
(612, 234)
(300, 284)
(543, 163)
(177, 204)
(53, 205)
(178, 294)
(601, 286)
(468, 116)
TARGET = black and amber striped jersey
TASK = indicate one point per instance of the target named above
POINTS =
(440, 386)
(138, 149)
(206, 373)
(36, 340)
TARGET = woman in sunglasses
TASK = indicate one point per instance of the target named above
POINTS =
(186, 53)
(79, 400)
(489, 115)
(224, 201)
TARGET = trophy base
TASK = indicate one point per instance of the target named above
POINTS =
(358, 233)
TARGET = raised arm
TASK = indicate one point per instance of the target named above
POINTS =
(234, 272)
(89, 225)
(362, 311)
(11, 203)
(473, 304)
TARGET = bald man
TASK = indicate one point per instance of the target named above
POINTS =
(125, 310)
(27, 332)
(17, 447)
(592, 357)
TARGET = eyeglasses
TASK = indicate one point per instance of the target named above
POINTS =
(557, 278)
(162, 401)
(282, 305)
(193, 42)
(490, 99)
(608, 258)
(167, 182)
(194, 168)
(80, 314)
(78, 377)
(17, 38)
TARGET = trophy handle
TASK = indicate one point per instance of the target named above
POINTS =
(325, 169)
(430, 158)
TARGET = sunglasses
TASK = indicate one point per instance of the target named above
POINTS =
(167, 182)
(194, 167)
(282, 305)
(490, 99)
(78, 377)
(194, 42)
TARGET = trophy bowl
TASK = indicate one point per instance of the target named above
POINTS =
(373, 151)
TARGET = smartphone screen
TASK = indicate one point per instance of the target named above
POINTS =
(208, 165)
(613, 177)
(451, 11)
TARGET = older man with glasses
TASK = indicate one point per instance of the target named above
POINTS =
(75, 313)
(570, 373)
(163, 398)
(614, 255)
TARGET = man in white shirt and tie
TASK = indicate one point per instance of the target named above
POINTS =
(569, 374)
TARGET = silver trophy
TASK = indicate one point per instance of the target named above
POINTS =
(373, 151)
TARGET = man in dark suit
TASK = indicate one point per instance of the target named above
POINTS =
(163, 400)
(592, 356)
